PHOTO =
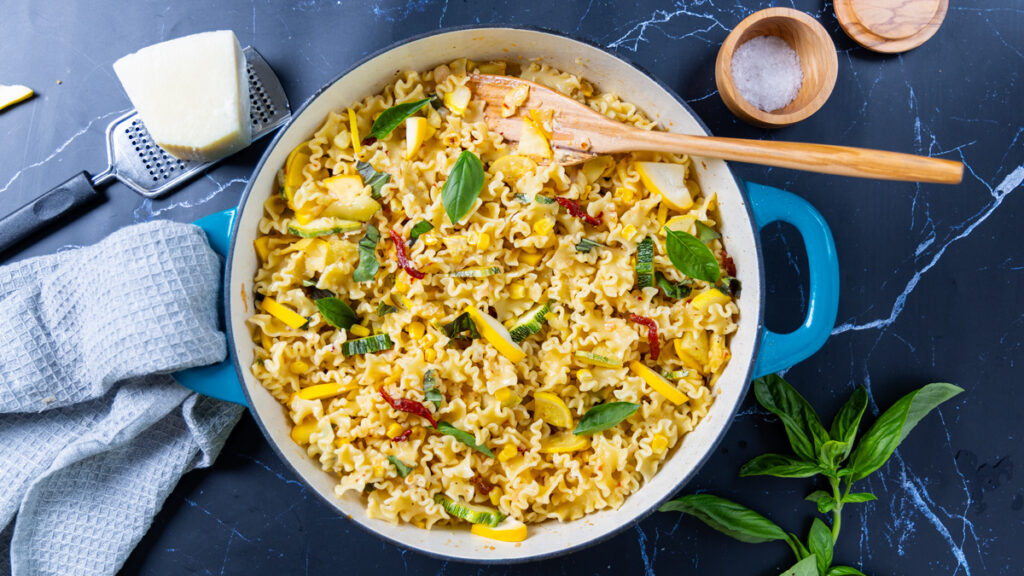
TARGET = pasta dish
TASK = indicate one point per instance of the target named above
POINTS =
(466, 331)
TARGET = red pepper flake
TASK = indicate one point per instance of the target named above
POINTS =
(728, 264)
(403, 258)
(521, 449)
(578, 212)
(482, 484)
(652, 333)
(403, 436)
(406, 405)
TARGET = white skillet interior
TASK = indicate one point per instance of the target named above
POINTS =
(609, 74)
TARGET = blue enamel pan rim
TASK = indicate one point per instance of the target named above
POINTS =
(234, 236)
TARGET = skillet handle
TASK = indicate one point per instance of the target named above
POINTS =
(216, 380)
(780, 351)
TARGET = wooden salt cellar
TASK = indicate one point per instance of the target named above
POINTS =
(890, 26)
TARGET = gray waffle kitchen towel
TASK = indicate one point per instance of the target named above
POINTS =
(94, 432)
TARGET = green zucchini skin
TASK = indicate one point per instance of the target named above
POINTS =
(368, 345)
(530, 323)
(645, 263)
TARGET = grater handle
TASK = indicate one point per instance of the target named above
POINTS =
(53, 206)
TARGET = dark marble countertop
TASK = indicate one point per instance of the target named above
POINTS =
(931, 275)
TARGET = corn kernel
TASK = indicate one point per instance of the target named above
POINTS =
(507, 397)
(378, 471)
(662, 214)
(659, 443)
(543, 227)
(483, 241)
(517, 291)
(341, 441)
(627, 195)
(629, 231)
(395, 430)
(429, 239)
(507, 453)
(401, 285)
(584, 375)
(530, 258)
(429, 355)
(495, 495)
(416, 330)
(298, 367)
(361, 331)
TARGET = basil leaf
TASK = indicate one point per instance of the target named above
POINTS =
(727, 517)
(691, 256)
(859, 497)
(831, 454)
(823, 499)
(463, 186)
(585, 245)
(402, 468)
(778, 465)
(392, 117)
(847, 420)
(462, 323)
(820, 543)
(368, 264)
(421, 228)
(384, 309)
(706, 233)
(375, 180)
(671, 289)
(430, 391)
(337, 313)
(843, 571)
(799, 550)
(464, 437)
(604, 416)
(881, 440)
(803, 428)
(806, 567)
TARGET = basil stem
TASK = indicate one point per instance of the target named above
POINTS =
(604, 416)
(337, 313)
(368, 264)
(464, 437)
(691, 256)
(393, 117)
(463, 186)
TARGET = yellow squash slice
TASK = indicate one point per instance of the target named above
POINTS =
(552, 410)
(666, 179)
(660, 385)
(509, 530)
(496, 334)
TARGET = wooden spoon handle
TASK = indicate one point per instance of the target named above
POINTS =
(823, 158)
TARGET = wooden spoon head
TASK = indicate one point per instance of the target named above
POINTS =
(577, 131)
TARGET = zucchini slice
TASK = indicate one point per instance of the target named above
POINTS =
(472, 513)
(645, 263)
(323, 227)
(476, 272)
(368, 345)
(530, 323)
(676, 375)
(598, 360)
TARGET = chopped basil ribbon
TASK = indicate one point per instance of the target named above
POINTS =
(368, 264)
(706, 233)
(671, 289)
(464, 437)
(385, 309)
(375, 180)
(691, 256)
(430, 391)
(463, 186)
(393, 117)
(421, 228)
(456, 328)
(604, 416)
(586, 244)
(402, 468)
(337, 313)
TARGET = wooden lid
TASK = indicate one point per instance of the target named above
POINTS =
(890, 26)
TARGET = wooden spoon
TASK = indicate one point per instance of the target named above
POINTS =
(579, 133)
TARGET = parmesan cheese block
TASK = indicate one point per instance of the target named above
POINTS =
(192, 94)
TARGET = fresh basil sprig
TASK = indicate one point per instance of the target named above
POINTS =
(419, 229)
(402, 468)
(463, 186)
(393, 117)
(337, 313)
(604, 416)
(464, 437)
(368, 264)
(430, 391)
(691, 256)
(835, 454)
(375, 180)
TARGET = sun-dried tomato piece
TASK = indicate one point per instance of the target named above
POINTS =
(652, 333)
(577, 211)
(403, 258)
(406, 405)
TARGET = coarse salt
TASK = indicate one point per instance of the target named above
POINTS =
(767, 72)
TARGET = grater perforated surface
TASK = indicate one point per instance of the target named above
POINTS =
(146, 168)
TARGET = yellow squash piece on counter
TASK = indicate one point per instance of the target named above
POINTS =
(353, 132)
(701, 302)
(660, 385)
(666, 179)
(534, 138)
(417, 130)
(458, 100)
(552, 410)
(496, 335)
(564, 442)
(293, 177)
(509, 530)
(283, 313)
(11, 95)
